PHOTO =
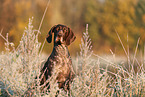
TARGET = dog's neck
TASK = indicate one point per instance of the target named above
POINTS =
(60, 50)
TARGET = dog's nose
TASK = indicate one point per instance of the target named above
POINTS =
(60, 33)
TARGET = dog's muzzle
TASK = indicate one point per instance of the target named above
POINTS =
(59, 37)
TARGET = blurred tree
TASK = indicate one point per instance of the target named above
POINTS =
(105, 17)
(140, 19)
(26, 9)
(23, 13)
(73, 12)
(7, 17)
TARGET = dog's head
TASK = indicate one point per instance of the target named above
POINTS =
(62, 35)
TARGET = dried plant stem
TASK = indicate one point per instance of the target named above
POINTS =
(2, 35)
(134, 58)
(41, 25)
(43, 15)
(128, 60)
(122, 44)
(144, 55)
(103, 59)
(42, 46)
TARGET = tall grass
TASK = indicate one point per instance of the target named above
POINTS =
(97, 78)
(19, 67)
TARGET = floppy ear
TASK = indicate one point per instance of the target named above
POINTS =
(70, 37)
(49, 36)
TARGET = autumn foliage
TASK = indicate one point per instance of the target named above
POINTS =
(105, 18)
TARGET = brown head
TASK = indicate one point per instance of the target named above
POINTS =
(62, 35)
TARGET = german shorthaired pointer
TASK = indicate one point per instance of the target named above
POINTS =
(60, 57)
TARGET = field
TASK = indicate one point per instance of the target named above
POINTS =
(96, 76)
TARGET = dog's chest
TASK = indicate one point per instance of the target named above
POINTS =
(60, 56)
(60, 61)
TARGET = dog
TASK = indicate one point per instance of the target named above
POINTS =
(59, 58)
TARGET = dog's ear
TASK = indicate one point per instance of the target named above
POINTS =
(49, 36)
(69, 37)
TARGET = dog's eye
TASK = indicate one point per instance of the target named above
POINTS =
(65, 30)
(57, 29)
(60, 28)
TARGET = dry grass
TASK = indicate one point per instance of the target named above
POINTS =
(95, 75)
(103, 77)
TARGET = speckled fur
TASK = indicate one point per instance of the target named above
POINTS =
(59, 59)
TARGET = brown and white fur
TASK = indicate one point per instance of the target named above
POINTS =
(59, 58)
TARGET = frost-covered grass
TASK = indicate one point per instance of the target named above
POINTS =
(95, 75)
